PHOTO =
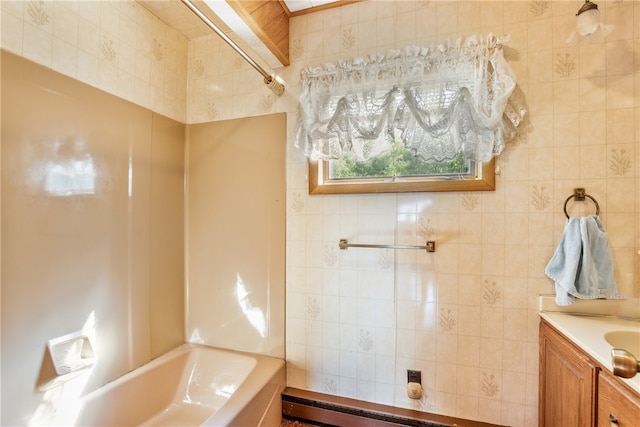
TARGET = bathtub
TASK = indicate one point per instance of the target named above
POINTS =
(192, 385)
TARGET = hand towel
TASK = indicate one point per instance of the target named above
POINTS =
(582, 266)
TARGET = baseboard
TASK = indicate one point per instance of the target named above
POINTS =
(328, 410)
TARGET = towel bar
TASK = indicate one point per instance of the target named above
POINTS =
(344, 244)
(579, 194)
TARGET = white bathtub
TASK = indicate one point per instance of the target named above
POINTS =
(192, 385)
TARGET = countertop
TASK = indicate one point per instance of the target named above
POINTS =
(586, 328)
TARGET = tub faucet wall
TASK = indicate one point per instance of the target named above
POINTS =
(92, 232)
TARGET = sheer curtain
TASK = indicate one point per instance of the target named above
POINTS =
(451, 98)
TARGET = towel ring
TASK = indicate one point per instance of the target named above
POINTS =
(579, 194)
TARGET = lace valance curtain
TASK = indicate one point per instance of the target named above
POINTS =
(438, 101)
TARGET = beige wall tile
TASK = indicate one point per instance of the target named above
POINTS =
(620, 91)
(566, 129)
(620, 58)
(566, 163)
(98, 43)
(566, 96)
(592, 161)
(539, 66)
(540, 34)
(593, 127)
(582, 102)
(593, 93)
(593, 62)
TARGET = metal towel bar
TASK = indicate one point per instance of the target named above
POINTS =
(429, 247)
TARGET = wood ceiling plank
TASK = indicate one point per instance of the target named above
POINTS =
(269, 21)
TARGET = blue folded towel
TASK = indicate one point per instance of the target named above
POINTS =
(582, 266)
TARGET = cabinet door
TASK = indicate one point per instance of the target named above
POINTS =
(567, 383)
(617, 406)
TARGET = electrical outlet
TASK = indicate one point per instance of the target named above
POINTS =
(414, 376)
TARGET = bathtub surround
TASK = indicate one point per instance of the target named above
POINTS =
(94, 220)
(467, 315)
(235, 182)
(92, 234)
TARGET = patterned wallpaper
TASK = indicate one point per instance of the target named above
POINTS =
(222, 85)
(117, 46)
(466, 315)
(357, 319)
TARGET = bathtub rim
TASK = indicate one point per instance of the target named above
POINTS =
(269, 369)
(265, 371)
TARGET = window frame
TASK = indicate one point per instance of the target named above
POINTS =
(318, 184)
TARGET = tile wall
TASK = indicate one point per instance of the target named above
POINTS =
(466, 315)
(116, 46)
(357, 319)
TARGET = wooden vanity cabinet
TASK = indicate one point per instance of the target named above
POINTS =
(567, 383)
(575, 391)
(617, 405)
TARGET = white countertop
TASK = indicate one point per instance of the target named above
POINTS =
(587, 331)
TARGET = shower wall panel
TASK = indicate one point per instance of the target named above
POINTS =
(92, 232)
(236, 234)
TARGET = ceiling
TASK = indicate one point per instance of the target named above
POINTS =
(179, 17)
(303, 5)
(262, 25)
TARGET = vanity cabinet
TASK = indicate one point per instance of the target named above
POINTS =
(574, 390)
(617, 405)
(567, 393)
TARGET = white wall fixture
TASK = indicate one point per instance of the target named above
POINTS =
(65, 355)
(588, 24)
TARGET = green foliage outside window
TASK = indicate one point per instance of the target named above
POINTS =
(398, 162)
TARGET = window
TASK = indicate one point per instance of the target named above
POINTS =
(418, 119)
(399, 171)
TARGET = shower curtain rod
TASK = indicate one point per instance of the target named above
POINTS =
(269, 80)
